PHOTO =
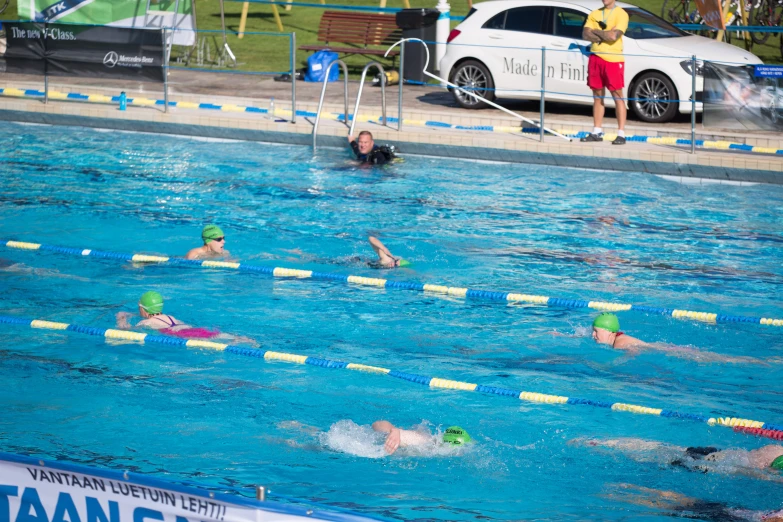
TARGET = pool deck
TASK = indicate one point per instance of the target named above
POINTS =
(421, 104)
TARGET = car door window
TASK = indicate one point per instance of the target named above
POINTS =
(496, 22)
(524, 19)
(527, 20)
(569, 23)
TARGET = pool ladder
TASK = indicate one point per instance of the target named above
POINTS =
(344, 67)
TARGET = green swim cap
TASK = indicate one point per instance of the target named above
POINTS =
(607, 321)
(457, 436)
(210, 233)
(777, 463)
(152, 302)
(404, 262)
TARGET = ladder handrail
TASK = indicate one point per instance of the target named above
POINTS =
(323, 92)
(359, 95)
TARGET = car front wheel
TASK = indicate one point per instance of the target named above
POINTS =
(474, 77)
(651, 97)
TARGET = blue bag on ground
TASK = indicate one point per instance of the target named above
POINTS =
(317, 64)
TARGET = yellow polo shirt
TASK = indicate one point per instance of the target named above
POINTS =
(615, 18)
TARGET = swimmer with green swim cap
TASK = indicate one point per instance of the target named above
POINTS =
(399, 438)
(385, 257)
(214, 243)
(606, 330)
(152, 316)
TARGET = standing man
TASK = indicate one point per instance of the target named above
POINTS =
(606, 68)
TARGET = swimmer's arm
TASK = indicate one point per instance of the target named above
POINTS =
(238, 339)
(694, 354)
(194, 253)
(122, 320)
(384, 254)
(393, 440)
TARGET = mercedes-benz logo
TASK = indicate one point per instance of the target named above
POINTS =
(111, 59)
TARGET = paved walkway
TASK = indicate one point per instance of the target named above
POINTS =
(419, 103)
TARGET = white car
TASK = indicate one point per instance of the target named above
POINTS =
(497, 50)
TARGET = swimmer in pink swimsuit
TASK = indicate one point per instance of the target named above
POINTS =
(151, 311)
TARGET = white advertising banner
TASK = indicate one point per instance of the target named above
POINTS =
(32, 490)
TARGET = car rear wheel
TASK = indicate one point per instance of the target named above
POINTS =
(472, 76)
(650, 97)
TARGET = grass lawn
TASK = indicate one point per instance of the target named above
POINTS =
(271, 53)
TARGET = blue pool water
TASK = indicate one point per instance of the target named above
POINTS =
(230, 421)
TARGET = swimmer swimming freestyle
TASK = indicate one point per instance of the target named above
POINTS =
(214, 244)
(399, 438)
(606, 330)
(151, 311)
(763, 463)
(385, 257)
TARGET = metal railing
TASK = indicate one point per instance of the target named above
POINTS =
(359, 94)
(323, 92)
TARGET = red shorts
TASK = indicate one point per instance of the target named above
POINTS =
(601, 73)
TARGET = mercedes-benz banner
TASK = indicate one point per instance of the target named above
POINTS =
(86, 51)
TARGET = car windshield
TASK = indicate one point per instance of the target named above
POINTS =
(643, 25)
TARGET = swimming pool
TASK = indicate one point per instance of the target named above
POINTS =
(230, 421)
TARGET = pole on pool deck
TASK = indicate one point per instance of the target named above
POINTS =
(543, 89)
(46, 86)
(260, 493)
(165, 74)
(693, 104)
(293, 77)
(402, 81)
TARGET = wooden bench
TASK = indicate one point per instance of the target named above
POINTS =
(354, 33)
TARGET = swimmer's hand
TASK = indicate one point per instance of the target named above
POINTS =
(392, 441)
(122, 320)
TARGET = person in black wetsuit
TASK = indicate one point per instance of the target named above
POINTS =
(368, 152)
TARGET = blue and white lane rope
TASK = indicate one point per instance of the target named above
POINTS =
(775, 430)
(491, 295)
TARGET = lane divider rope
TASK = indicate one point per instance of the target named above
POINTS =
(148, 102)
(759, 428)
(468, 293)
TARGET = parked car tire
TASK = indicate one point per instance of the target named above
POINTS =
(645, 94)
(472, 74)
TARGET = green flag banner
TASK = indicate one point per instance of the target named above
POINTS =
(117, 13)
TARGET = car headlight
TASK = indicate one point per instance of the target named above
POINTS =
(686, 66)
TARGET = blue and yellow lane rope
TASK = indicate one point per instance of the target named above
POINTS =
(468, 293)
(149, 102)
(758, 428)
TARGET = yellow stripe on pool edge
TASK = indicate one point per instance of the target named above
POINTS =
(48, 325)
(124, 334)
(287, 357)
(611, 307)
(291, 272)
(366, 368)
(542, 397)
(453, 385)
(633, 408)
(196, 343)
(731, 422)
(149, 259)
(369, 281)
(23, 245)
(220, 264)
